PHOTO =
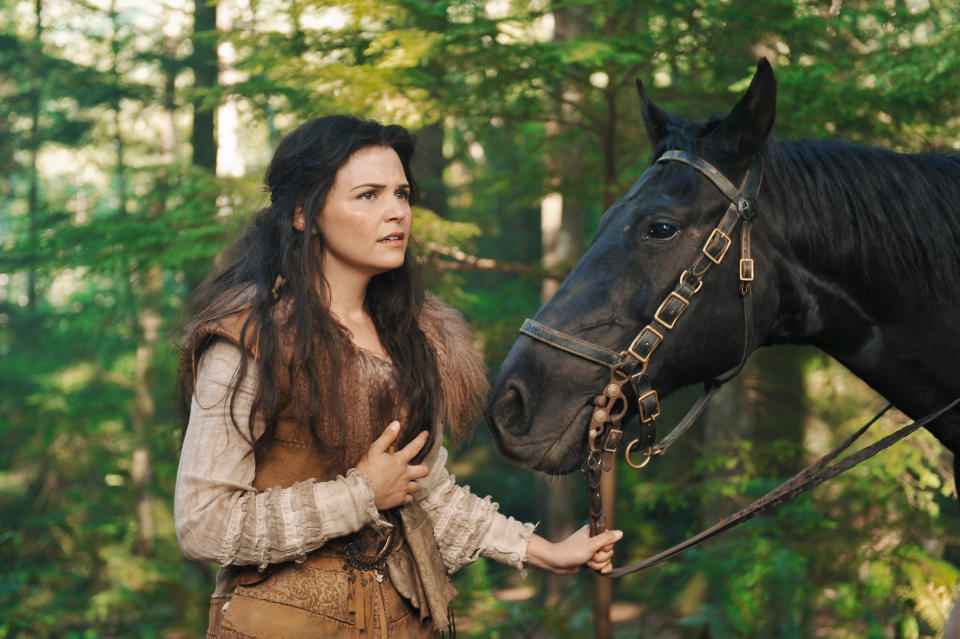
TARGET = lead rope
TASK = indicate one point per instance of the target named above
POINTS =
(810, 477)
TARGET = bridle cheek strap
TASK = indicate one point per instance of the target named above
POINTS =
(629, 365)
(605, 431)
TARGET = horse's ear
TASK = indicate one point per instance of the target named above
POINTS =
(748, 124)
(656, 119)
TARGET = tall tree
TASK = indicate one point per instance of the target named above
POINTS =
(33, 198)
(204, 63)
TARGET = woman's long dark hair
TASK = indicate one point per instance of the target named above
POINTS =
(301, 348)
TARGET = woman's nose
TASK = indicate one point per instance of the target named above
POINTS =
(397, 212)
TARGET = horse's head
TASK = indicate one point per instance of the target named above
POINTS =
(542, 399)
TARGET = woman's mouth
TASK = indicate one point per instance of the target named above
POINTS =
(394, 239)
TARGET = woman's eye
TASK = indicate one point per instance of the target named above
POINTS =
(369, 195)
(661, 231)
(403, 195)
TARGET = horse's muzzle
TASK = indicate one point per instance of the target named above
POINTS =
(511, 420)
(509, 411)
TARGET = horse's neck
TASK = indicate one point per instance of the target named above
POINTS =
(909, 357)
(884, 326)
(904, 348)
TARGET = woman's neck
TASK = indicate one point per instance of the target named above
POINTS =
(348, 291)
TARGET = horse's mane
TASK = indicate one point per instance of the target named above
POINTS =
(870, 210)
(852, 207)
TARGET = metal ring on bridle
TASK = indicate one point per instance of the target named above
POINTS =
(647, 456)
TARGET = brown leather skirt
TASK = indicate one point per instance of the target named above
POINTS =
(319, 598)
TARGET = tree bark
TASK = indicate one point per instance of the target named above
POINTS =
(429, 165)
(33, 198)
(205, 68)
(562, 221)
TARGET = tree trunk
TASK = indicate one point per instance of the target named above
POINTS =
(562, 221)
(429, 165)
(33, 199)
(204, 64)
(763, 404)
(144, 409)
(557, 248)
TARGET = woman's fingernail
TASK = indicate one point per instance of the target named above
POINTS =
(619, 534)
(395, 425)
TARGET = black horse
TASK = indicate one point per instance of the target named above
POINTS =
(855, 250)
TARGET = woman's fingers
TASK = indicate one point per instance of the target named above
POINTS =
(607, 538)
(410, 451)
(602, 560)
(603, 568)
(385, 440)
(417, 472)
(603, 555)
(393, 479)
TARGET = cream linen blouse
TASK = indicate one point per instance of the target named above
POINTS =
(221, 517)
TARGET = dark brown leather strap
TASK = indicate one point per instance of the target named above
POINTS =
(630, 365)
(573, 345)
(810, 477)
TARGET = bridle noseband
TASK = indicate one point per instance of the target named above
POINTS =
(630, 365)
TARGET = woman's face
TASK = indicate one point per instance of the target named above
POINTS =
(366, 220)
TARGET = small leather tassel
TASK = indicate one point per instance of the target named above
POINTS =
(365, 597)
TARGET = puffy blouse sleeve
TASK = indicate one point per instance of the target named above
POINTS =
(466, 526)
(219, 515)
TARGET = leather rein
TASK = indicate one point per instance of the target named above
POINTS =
(629, 367)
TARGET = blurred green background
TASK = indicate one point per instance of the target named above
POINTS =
(133, 138)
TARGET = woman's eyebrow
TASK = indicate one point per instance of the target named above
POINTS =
(378, 186)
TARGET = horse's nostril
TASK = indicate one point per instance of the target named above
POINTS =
(510, 411)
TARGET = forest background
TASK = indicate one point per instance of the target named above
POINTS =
(133, 139)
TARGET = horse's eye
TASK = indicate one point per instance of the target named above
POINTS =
(661, 231)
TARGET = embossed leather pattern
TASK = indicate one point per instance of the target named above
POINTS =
(311, 602)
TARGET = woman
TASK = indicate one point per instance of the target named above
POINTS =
(312, 336)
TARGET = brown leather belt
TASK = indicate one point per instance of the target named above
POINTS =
(366, 571)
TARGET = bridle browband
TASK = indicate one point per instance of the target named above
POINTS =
(630, 365)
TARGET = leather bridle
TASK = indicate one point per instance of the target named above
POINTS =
(630, 365)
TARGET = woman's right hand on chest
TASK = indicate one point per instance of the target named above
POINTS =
(392, 478)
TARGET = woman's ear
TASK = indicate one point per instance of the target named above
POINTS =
(299, 222)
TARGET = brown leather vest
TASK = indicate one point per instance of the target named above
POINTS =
(415, 568)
